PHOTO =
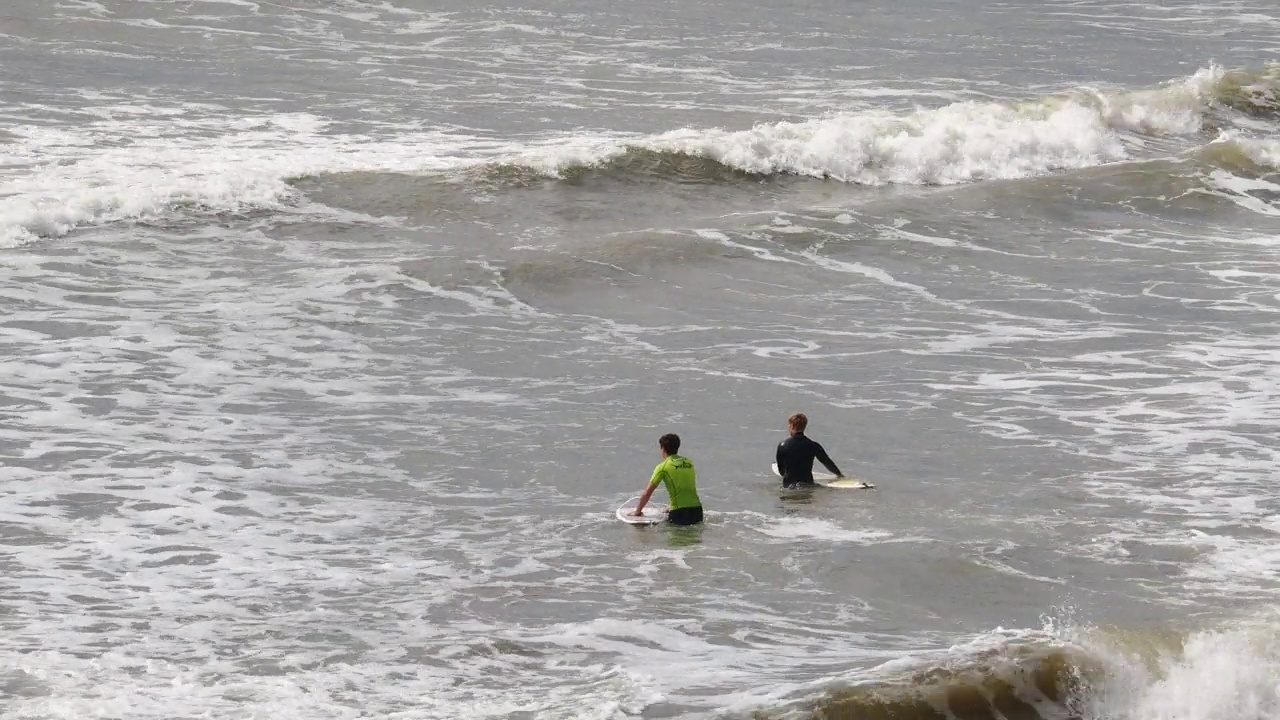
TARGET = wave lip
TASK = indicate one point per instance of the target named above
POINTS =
(1249, 156)
(1253, 92)
(1010, 675)
(958, 143)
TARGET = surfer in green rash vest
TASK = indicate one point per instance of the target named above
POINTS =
(677, 474)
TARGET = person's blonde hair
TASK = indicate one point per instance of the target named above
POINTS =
(798, 421)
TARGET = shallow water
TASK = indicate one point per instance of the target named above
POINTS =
(333, 334)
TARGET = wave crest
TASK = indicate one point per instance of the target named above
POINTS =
(963, 142)
(1244, 156)
(1228, 673)
(958, 143)
(1030, 683)
(142, 168)
(1254, 92)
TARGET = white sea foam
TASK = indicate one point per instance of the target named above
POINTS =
(248, 484)
(1241, 191)
(746, 672)
(1263, 151)
(1224, 673)
(149, 162)
(817, 529)
(122, 169)
(1175, 108)
(961, 142)
(1189, 425)
(958, 143)
(1219, 674)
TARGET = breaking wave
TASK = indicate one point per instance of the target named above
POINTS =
(1224, 674)
(961, 142)
(55, 180)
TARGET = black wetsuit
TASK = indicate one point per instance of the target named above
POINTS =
(795, 460)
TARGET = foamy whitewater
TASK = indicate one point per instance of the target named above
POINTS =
(332, 334)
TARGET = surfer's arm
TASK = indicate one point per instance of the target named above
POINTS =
(644, 498)
(777, 459)
(826, 461)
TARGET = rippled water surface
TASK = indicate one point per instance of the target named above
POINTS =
(332, 334)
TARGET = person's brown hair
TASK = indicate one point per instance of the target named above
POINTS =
(670, 443)
(798, 421)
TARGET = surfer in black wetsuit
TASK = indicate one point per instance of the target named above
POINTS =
(796, 455)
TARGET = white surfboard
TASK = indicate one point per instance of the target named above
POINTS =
(828, 480)
(652, 515)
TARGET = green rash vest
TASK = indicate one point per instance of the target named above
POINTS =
(676, 472)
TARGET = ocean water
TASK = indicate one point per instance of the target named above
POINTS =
(333, 331)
